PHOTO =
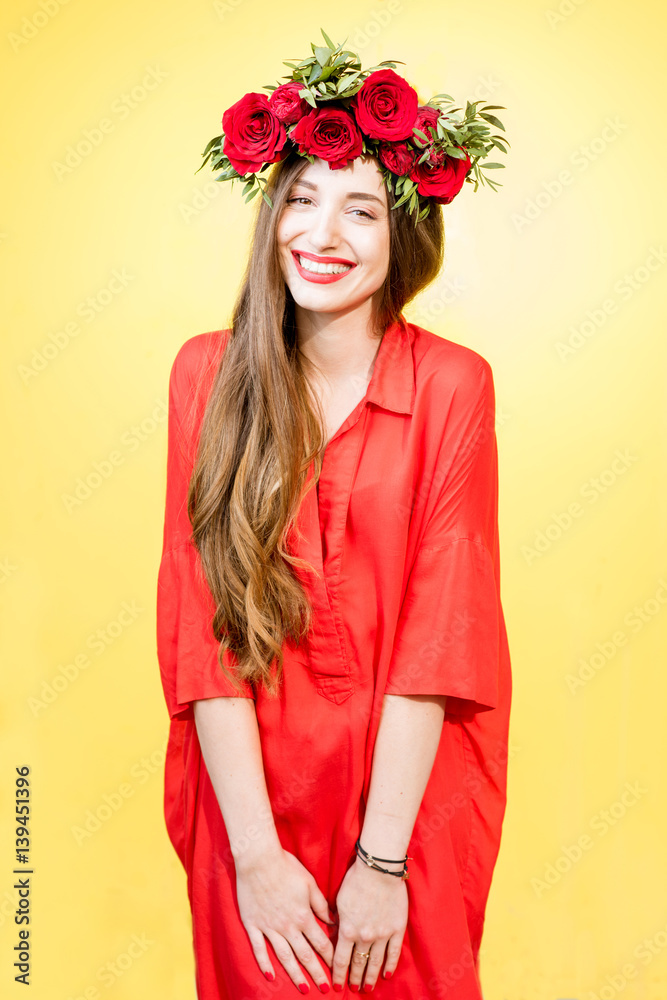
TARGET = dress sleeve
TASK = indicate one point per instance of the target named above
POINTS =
(450, 628)
(186, 645)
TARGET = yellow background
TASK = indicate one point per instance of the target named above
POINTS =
(584, 94)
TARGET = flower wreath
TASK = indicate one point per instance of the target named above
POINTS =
(333, 109)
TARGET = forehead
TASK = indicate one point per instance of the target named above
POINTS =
(361, 175)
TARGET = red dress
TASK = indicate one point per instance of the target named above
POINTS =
(404, 539)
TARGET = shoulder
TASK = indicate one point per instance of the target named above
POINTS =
(449, 369)
(195, 366)
(197, 356)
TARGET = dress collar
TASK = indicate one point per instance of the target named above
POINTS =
(392, 383)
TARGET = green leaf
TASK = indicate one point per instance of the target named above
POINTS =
(322, 55)
(267, 199)
(307, 96)
(327, 39)
(252, 195)
(422, 135)
(494, 107)
(212, 143)
(492, 119)
(314, 73)
(492, 166)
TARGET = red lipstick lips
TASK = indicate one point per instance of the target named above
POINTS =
(322, 279)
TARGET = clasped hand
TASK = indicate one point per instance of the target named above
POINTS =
(279, 901)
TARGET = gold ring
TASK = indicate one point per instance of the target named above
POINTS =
(362, 954)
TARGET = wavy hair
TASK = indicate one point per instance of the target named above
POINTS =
(262, 428)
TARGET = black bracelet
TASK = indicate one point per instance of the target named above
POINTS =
(371, 862)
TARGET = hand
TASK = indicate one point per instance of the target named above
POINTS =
(373, 914)
(279, 899)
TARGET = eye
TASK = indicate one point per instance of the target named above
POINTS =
(297, 198)
(361, 212)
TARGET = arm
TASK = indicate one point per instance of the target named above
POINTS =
(405, 749)
(373, 906)
(229, 740)
(278, 898)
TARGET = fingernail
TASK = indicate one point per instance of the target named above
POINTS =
(324, 987)
(338, 988)
(354, 987)
(387, 975)
(367, 988)
(304, 987)
(269, 976)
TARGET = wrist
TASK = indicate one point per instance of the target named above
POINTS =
(256, 850)
(359, 863)
(383, 841)
(393, 864)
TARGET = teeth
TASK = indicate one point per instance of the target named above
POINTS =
(317, 268)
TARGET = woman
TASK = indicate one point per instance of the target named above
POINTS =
(330, 633)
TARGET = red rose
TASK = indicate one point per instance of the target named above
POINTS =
(443, 181)
(253, 134)
(397, 157)
(286, 103)
(427, 117)
(386, 106)
(329, 133)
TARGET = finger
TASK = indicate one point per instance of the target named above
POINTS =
(341, 961)
(258, 943)
(319, 904)
(358, 962)
(308, 959)
(285, 956)
(319, 940)
(374, 964)
(393, 952)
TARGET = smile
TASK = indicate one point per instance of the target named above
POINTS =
(317, 270)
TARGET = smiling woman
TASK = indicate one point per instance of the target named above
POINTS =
(330, 633)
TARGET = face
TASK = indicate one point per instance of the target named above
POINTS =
(333, 237)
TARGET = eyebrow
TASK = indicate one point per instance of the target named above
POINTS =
(363, 195)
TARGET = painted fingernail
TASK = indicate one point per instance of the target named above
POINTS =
(387, 975)
(367, 988)
(269, 976)
(304, 987)
(354, 987)
(338, 988)
(324, 987)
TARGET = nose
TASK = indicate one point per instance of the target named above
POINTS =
(324, 229)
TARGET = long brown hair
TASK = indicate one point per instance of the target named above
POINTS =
(261, 429)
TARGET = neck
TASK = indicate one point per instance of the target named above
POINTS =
(340, 345)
